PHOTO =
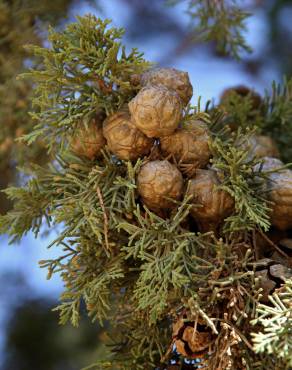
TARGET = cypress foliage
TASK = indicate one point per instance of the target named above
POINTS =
(151, 275)
(222, 22)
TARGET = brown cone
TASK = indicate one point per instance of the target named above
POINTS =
(211, 205)
(191, 342)
(156, 111)
(242, 91)
(88, 141)
(260, 146)
(123, 137)
(188, 145)
(157, 180)
(172, 79)
(279, 185)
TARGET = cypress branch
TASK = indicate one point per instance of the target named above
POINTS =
(221, 21)
(86, 70)
(143, 272)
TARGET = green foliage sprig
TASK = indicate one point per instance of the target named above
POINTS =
(163, 249)
(278, 117)
(240, 179)
(272, 117)
(276, 321)
(85, 70)
(220, 21)
(59, 195)
(241, 113)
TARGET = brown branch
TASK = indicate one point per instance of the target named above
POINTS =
(254, 242)
(274, 245)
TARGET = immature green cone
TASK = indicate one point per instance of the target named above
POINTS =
(171, 78)
(211, 205)
(124, 139)
(88, 141)
(158, 180)
(189, 144)
(156, 111)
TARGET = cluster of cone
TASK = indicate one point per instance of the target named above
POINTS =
(153, 119)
